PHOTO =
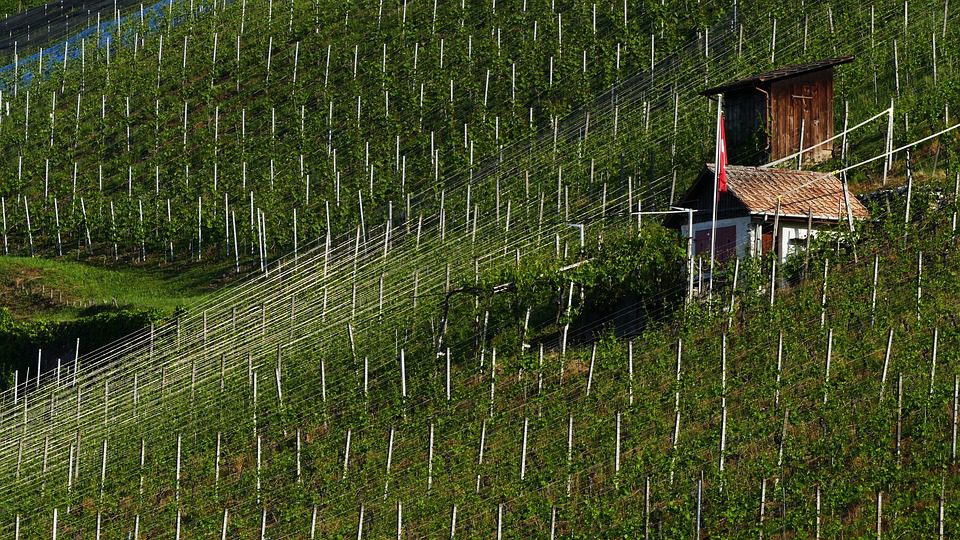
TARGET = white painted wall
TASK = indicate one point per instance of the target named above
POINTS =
(750, 236)
(790, 232)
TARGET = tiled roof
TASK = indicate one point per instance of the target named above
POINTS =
(798, 192)
(777, 74)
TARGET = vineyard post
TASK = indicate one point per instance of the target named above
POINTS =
(179, 452)
(386, 475)
(823, 295)
(276, 372)
(553, 522)
(690, 247)
(629, 372)
(403, 375)
(70, 474)
(259, 463)
(783, 440)
(346, 455)
(143, 452)
(216, 464)
(941, 507)
(299, 468)
(888, 161)
(646, 508)
(523, 449)
(806, 251)
(430, 461)
(56, 215)
(86, 227)
(483, 437)
(254, 395)
(776, 395)
(817, 524)
(934, 55)
(323, 383)
(54, 524)
(540, 377)
(826, 376)
(773, 43)
(699, 506)
(896, 68)
(399, 515)
(676, 412)
(919, 281)
(953, 221)
(723, 406)
(906, 213)
(899, 414)
(103, 468)
(956, 402)
(873, 296)
(26, 206)
(886, 364)
(593, 357)
(733, 291)
(223, 528)
(773, 267)
(763, 504)
(879, 514)
(493, 380)
(313, 524)
(933, 361)
(616, 454)
(500, 521)
(6, 251)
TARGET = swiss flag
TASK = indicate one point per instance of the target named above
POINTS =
(722, 159)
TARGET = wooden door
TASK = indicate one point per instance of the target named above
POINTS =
(726, 244)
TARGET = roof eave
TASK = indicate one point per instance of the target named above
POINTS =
(804, 217)
(773, 76)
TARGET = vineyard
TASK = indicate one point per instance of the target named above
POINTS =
(448, 312)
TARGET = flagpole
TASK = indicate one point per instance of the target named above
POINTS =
(716, 175)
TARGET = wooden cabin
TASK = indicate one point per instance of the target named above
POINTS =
(746, 212)
(764, 113)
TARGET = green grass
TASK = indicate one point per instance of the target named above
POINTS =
(61, 289)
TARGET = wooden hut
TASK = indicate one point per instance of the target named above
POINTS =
(765, 113)
(798, 203)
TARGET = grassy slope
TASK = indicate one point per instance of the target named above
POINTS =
(59, 289)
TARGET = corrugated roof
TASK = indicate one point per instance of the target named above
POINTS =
(798, 192)
(777, 74)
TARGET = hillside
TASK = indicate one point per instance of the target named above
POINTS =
(231, 136)
(447, 316)
(282, 413)
(154, 155)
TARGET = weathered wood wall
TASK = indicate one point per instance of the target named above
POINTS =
(806, 99)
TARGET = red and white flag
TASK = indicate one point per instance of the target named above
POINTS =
(721, 159)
